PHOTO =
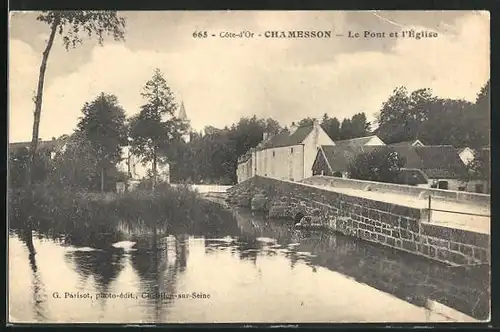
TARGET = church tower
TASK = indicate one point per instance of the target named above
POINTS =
(183, 117)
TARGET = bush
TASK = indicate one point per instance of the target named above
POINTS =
(382, 165)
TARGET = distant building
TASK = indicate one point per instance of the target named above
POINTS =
(50, 147)
(183, 117)
(372, 140)
(441, 164)
(408, 143)
(286, 156)
(138, 171)
(334, 160)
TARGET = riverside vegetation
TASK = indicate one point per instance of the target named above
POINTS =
(93, 219)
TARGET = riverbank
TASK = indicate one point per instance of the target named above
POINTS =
(88, 216)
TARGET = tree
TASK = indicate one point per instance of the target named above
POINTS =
(77, 167)
(155, 127)
(305, 122)
(331, 126)
(359, 126)
(70, 25)
(103, 126)
(382, 165)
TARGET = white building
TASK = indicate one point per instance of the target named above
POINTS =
(286, 156)
(138, 171)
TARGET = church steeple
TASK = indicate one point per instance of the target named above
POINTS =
(182, 113)
(183, 117)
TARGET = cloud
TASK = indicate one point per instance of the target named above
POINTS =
(221, 80)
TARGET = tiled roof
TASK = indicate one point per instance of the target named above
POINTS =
(435, 161)
(405, 143)
(441, 161)
(52, 145)
(356, 142)
(286, 139)
(339, 157)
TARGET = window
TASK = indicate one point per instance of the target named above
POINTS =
(291, 150)
(461, 188)
(274, 153)
(479, 188)
(443, 185)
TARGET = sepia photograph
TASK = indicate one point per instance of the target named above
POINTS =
(248, 167)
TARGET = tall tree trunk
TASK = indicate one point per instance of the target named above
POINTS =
(154, 169)
(36, 125)
(38, 100)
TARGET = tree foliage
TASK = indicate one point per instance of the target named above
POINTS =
(382, 165)
(156, 128)
(103, 127)
(436, 121)
(74, 25)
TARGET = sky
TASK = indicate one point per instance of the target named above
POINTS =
(221, 80)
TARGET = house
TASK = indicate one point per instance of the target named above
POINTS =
(138, 171)
(50, 148)
(372, 140)
(334, 160)
(466, 154)
(288, 155)
(408, 143)
(441, 164)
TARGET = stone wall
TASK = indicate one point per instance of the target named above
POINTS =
(392, 225)
(458, 196)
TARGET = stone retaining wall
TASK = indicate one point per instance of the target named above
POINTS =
(392, 225)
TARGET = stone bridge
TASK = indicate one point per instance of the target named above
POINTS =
(401, 227)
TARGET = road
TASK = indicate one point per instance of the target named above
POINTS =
(480, 224)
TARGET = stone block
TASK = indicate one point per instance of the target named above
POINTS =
(481, 255)
(409, 245)
(457, 258)
(391, 241)
(466, 250)
(259, 203)
(454, 246)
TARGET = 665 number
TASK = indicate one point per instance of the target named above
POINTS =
(200, 34)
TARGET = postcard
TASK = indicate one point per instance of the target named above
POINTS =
(276, 167)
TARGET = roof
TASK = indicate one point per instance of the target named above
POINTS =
(287, 139)
(52, 145)
(406, 143)
(436, 162)
(356, 142)
(439, 161)
(339, 157)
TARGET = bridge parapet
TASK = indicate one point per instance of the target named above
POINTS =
(392, 225)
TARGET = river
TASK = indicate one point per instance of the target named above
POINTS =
(260, 271)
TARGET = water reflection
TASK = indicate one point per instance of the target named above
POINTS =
(413, 279)
(255, 270)
(38, 288)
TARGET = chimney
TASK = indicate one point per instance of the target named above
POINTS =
(293, 127)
